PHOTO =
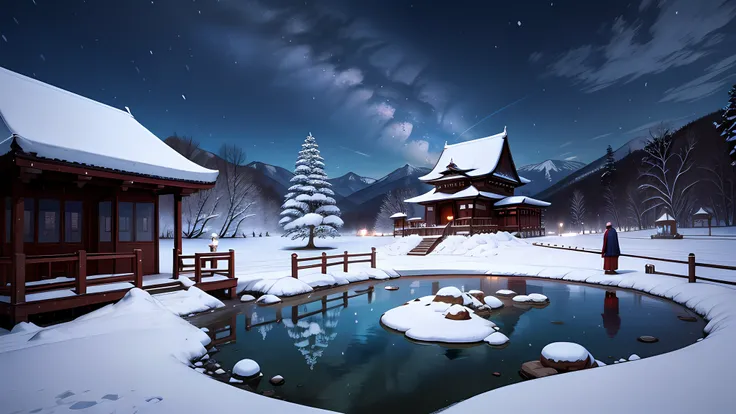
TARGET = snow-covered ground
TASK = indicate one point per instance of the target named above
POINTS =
(126, 355)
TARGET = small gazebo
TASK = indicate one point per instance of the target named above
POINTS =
(399, 222)
(666, 228)
(701, 218)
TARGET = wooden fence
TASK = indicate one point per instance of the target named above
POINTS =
(324, 264)
(76, 276)
(200, 260)
(650, 268)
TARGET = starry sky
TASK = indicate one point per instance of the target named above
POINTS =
(385, 82)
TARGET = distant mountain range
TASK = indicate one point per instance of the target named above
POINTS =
(545, 174)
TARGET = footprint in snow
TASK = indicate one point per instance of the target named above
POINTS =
(154, 400)
(81, 405)
(64, 394)
(111, 397)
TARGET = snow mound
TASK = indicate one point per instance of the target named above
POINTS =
(537, 297)
(247, 298)
(634, 357)
(26, 327)
(402, 246)
(505, 292)
(477, 245)
(186, 302)
(284, 286)
(450, 291)
(496, 339)
(566, 352)
(522, 298)
(268, 299)
(424, 320)
(493, 302)
(377, 274)
(246, 368)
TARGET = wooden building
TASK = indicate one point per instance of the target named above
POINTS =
(474, 184)
(80, 196)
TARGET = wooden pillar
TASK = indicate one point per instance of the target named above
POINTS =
(691, 268)
(345, 262)
(177, 235)
(373, 257)
(138, 268)
(294, 266)
(324, 263)
(709, 231)
(81, 285)
(157, 234)
(3, 225)
(17, 225)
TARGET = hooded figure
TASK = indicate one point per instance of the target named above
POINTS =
(610, 251)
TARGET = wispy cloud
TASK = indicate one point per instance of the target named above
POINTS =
(671, 122)
(715, 79)
(355, 151)
(571, 158)
(566, 144)
(563, 155)
(597, 137)
(535, 57)
(683, 32)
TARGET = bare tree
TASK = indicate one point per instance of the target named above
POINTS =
(197, 211)
(634, 206)
(722, 178)
(235, 188)
(611, 205)
(577, 209)
(393, 203)
(666, 171)
(188, 147)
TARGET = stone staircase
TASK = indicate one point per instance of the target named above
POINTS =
(426, 246)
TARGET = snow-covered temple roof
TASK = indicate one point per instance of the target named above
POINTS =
(702, 212)
(515, 200)
(665, 217)
(479, 156)
(398, 215)
(415, 219)
(55, 124)
(434, 195)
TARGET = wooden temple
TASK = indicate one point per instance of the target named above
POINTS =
(474, 184)
(80, 200)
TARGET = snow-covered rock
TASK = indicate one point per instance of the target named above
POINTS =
(401, 246)
(493, 302)
(496, 339)
(451, 295)
(268, 300)
(247, 298)
(457, 313)
(505, 293)
(186, 302)
(566, 356)
(634, 357)
(277, 380)
(284, 286)
(533, 298)
(421, 322)
(522, 298)
(246, 368)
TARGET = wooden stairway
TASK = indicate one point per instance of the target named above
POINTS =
(426, 246)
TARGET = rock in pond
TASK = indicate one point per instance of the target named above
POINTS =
(478, 294)
(535, 369)
(647, 339)
(449, 294)
(246, 368)
(391, 288)
(493, 302)
(277, 380)
(247, 298)
(268, 300)
(505, 293)
(457, 313)
(497, 339)
(687, 318)
(566, 356)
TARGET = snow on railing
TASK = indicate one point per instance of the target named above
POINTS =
(323, 265)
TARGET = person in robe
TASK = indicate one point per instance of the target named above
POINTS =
(611, 250)
(213, 244)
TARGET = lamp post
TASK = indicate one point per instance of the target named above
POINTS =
(560, 232)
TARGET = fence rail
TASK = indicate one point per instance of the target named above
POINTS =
(76, 272)
(199, 265)
(324, 264)
(650, 268)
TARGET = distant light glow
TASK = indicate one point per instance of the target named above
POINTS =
(363, 232)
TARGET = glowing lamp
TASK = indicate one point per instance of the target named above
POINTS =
(363, 232)
(560, 224)
(449, 218)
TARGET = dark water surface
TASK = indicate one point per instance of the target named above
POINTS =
(343, 360)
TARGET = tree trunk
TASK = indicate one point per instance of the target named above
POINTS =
(310, 243)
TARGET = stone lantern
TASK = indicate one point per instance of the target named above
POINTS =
(701, 218)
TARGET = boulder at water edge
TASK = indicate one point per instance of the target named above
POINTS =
(449, 294)
(535, 369)
(566, 356)
(246, 368)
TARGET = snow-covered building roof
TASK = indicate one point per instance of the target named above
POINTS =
(415, 219)
(51, 123)
(476, 158)
(702, 212)
(398, 215)
(516, 200)
(471, 191)
(665, 217)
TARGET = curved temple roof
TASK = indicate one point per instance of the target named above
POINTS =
(479, 156)
(59, 125)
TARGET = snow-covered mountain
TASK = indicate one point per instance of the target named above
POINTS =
(350, 183)
(278, 174)
(545, 174)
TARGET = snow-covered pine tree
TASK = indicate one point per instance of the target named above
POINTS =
(609, 170)
(727, 126)
(309, 210)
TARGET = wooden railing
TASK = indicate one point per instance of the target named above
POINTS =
(324, 264)
(76, 277)
(650, 268)
(198, 266)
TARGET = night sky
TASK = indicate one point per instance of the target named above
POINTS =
(386, 82)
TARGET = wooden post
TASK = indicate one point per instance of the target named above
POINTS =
(324, 263)
(18, 275)
(138, 268)
(345, 262)
(373, 257)
(691, 268)
(345, 299)
(370, 295)
(248, 322)
(231, 264)
(18, 294)
(709, 232)
(197, 268)
(279, 316)
(177, 234)
(294, 314)
(81, 286)
(294, 267)
(324, 304)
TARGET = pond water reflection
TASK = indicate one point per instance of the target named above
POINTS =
(335, 355)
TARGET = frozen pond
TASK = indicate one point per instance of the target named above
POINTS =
(344, 360)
